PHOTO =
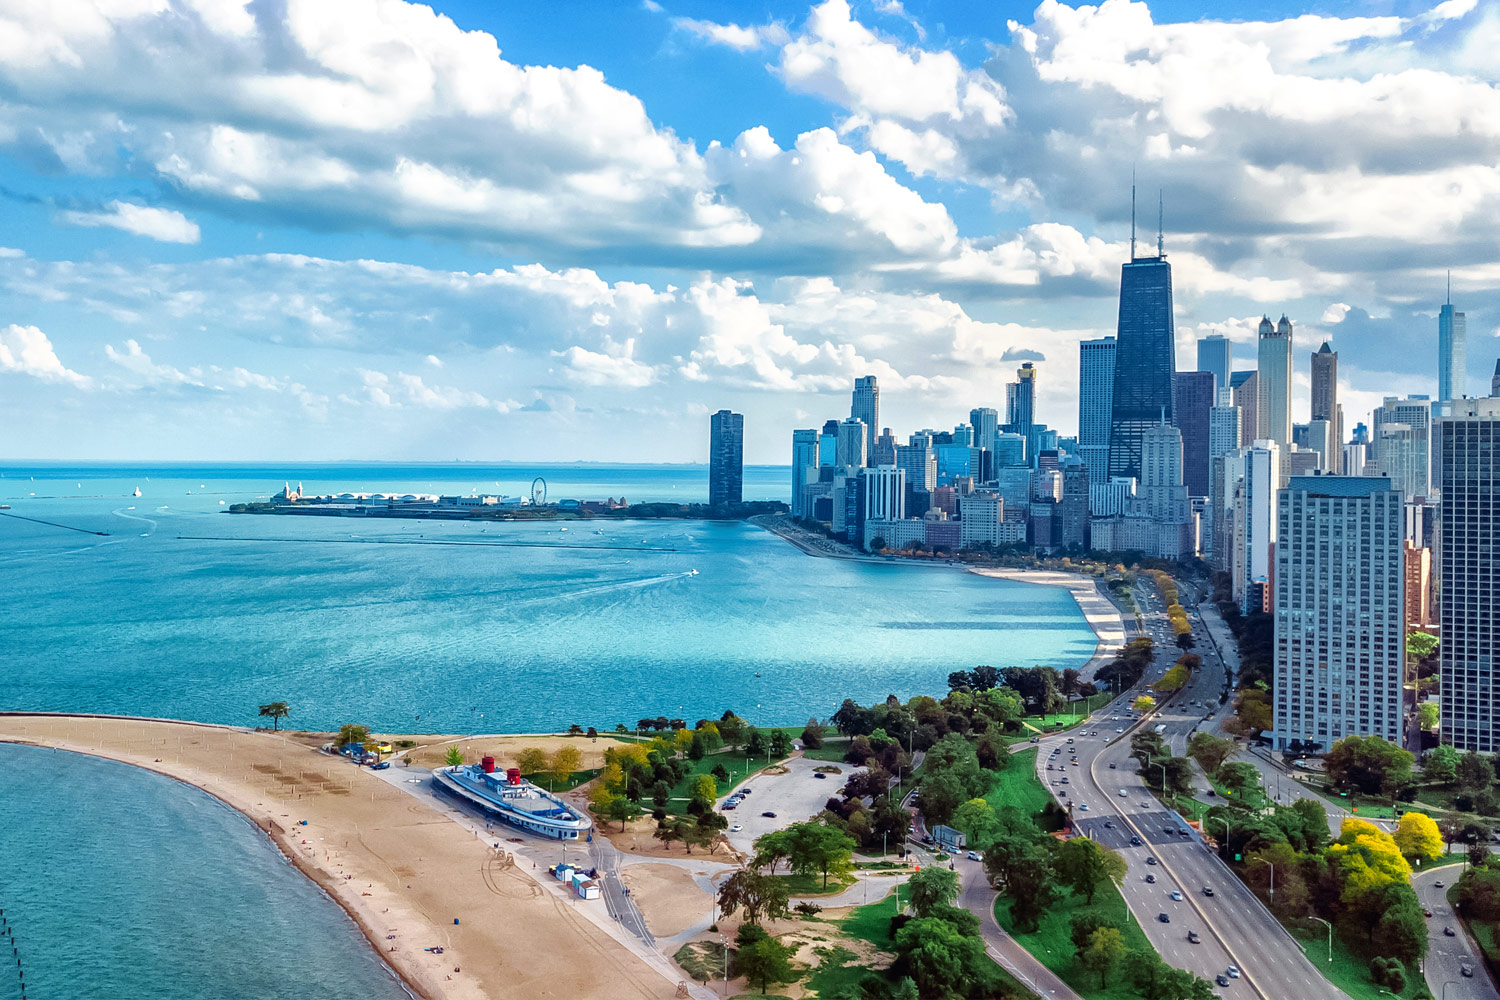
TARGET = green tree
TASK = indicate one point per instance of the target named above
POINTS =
(453, 757)
(276, 711)
(931, 888)
(732, 730)
(1143, 703)
(1440, 766)
(765, 961)
(1032, 890)
(1475, 774)
(704, 789)
(755, 742)
(816, 848)
(1401, 932)
(943, 953)
(1427, 715)
(620, 808)
(1210, 751)
(532, 760)
(812, 735)
(757, 896)
(976, 820)
(1083, 865)
(1368, 764)
(1420, 645)
(565, 761)
(1242, 782)
(781, 744)
(1106, 950)
(352, 733)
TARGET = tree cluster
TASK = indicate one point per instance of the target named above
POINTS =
(1128, 666)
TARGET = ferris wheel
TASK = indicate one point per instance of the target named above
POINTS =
(538, 491)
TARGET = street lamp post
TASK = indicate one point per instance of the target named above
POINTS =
(1330, 936)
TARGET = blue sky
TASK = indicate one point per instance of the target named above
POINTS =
(313, 229)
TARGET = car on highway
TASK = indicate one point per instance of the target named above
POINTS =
(1163, 918)
(1109, 825)
(1111, 765)
(768, 814)
(1122, 793)
(1193, 937)
(1049, 767)
(1208, 890)
(1234, 971)
(1150, 879)
(1135, 841)
(1084, 806)
(1150, 860)
(1177, 895)
(1222, 979)
(1065, 781)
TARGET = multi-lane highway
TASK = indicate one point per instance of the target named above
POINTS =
(1172, 871)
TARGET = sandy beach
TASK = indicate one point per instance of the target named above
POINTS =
(411, 877)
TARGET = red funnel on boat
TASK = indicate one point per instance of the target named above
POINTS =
(513, 775)
(489, 764)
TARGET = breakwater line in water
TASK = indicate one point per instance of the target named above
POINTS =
(53, 524)
(427, 541)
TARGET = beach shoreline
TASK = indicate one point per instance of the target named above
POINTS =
(391, 840)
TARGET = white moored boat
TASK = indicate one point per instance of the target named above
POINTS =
(511, 798)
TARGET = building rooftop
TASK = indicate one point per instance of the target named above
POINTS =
(1339, 486)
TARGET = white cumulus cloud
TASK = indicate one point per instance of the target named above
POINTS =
(26, 350)
(162, 224)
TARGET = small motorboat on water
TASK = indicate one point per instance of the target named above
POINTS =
(692, 572)
(137, 492)
(4, 506)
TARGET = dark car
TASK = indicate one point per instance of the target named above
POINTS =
(383, 765)
(728, 806)
(1150, 879)
(1448, 932)
(1193, 937)
(1163, 918)
(1467, 971)
(1150, 861)
(819, 774)
(1426, 913)
(1111, 767)
(769, 815)
(1222, 979)
(1208, 890)
(1135, 841)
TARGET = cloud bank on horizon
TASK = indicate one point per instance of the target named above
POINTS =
(358, 228)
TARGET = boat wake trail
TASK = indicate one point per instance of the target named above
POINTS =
(135, 517)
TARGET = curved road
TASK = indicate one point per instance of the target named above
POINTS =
(1447, 956)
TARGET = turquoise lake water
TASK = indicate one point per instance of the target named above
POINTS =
(185, 612)
(120, 883)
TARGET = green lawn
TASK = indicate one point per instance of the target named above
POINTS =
(544, 780)
(1348, 971)
(829, 751)
(1018, 786)
(812, 885)
(735, 763)
(1052, 945)
(1077, 712)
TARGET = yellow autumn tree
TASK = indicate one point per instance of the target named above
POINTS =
(1417, 836)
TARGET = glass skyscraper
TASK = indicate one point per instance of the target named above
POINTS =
(1145, 361)
(726, 458)
(1453, 356)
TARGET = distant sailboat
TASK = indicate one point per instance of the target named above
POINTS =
(137, 492)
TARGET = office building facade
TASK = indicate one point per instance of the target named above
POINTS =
(1145, 361)
(1453, 353)
(726, 459)
(1274, 377)
(1468, 445)
(1262, 478)
(866, 409)
(1194, 400)
(1325, 406)
(1216, 356)
(851, 444)
(804, 468)
(1340, 612)
(1245, 394)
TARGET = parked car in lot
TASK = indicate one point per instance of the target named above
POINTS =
(973, 856)
(768, 814)
(819, 774)
(383, 765)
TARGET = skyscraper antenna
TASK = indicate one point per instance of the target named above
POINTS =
(1132, 213)
(1160, 251)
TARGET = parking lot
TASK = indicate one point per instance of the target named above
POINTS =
(793, 797)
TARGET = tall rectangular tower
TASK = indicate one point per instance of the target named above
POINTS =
(1020, 401)
(726, 458)
(1194, 399)
(804, 466)
(1246, 395)
(1468, 544)
(1145, 360)
(1216, 355)
(1340, 611)
(1274, 375)
(1325, 403)
(1453, 353)
(866, 407)
(1262, 479)
(1096, 386)
(852, 443)
(986, 423)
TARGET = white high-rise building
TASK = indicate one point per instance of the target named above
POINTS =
(1262, 479)
(1274, 381)
(981, 516)
(1223, 430)
(1340, 611)
(851, 444)
(866, 408)
(885, 493)
(1403, 457)
(804, 467)
(1354, 458)
(1162, 492)
(1468, 552)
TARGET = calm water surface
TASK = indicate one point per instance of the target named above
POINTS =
(186, 612)
(120, 883)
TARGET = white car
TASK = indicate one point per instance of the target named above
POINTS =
(973, 856)
(736, 828)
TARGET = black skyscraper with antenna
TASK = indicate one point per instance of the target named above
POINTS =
(1145, 355)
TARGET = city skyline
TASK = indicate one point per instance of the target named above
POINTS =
(345, 254)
